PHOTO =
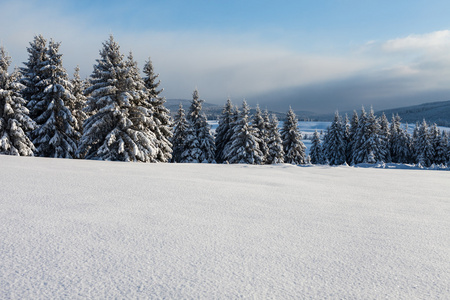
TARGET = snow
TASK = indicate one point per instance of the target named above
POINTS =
(77, 229)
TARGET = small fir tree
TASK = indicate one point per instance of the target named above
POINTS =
(77, 106)
(335, 146)
(260, 125)
(180, 126)
(316, 152)
(423, 146)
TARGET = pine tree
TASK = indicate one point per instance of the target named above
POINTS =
(423, 146)
(367, 140)
(259, 124)
(76, 107)
(224, 131)
(316, 152)
(14, 119)
(199, 146)
(384, 135)
(293, 146)
(120, 127)
(335, 146)
(244, 147)
(161, 115)
(180, 126)
(275, 154)
(54, 135)
(33, 93)
(438, 145)
(354, 124)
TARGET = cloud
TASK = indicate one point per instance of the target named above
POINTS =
(434, 41)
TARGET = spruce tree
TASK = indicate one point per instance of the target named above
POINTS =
(438, 145)
(293, 146)
(354, 124)
(79, 102)
(224, 131)
(275, 154)
(33, 93)
(180, 126)
(244, 147)
(198, 146)
(259, 124)
(384, 135)
(367, 140)
(423, 146)
(120, 127)
(14, 119)
(335, 146)
(54, 135)
(161, 115)
(316, 152)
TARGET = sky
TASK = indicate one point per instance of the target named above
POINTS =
(311, 55)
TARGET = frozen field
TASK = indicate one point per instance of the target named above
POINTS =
(75, 229)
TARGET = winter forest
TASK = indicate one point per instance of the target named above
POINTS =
(119, 115)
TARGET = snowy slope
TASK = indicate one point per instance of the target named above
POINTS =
(76, 229)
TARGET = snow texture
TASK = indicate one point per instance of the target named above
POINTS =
(77, 229)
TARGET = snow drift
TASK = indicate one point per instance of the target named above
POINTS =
(90, 229)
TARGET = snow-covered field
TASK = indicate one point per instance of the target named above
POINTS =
(74, 229)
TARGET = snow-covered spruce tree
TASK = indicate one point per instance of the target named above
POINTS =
(293, 146)
(335, 146)
(384, 134)
(446, 144)
(367, 144)
(316, 151)
(79, 102)
(260, 125)
(180, 126)
(244, 147)
(224, 131)
(354, 123)
(119, 129)
(54, 135)
(399, 141)
(275, 153)
(161, 115)
(440, 150)
(14, 119)
(423, 146)
(198, 145)
(33, 93)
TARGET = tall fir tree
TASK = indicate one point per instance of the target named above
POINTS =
(224, 131)
(55, 135)
(180, 126)
(119, 128)
(275, 154)
(423, 146)
(293, 146)
(33, 93)
(161, 115)
(367, 144)
(384, 135)
(244, 141)
(198, 146)
(438, 145)
(14, 119)
(260, 126)
(78, 104)
(316, 152)
(335, 145)
(354, 124)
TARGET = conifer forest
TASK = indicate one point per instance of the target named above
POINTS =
(119, 115)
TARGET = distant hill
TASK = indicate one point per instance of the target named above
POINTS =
(434, 112)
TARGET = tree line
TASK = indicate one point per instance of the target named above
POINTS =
(119, 115)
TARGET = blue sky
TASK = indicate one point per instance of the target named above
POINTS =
(312, 55)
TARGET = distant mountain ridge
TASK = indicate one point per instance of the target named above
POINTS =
(433, 112)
